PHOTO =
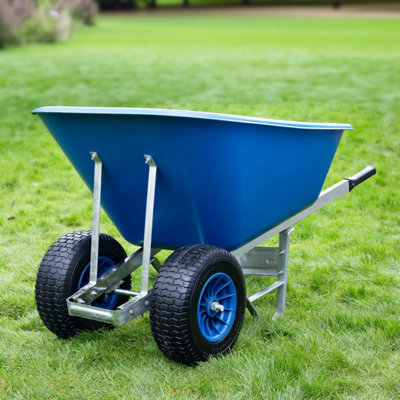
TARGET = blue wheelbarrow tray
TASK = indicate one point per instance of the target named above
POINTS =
(222, 179)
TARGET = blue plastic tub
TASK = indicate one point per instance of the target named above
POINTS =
(221, 179)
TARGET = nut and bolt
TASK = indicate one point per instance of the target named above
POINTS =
(216, 307)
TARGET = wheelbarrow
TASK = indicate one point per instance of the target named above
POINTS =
(211, 187)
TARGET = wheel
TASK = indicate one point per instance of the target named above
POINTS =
(197, 303)
(64, 270)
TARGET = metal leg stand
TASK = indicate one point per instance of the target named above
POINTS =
(269, 261)
(282, 277)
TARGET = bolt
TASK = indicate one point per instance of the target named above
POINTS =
(146, 303)
(131, 312)
(93, 293)
(216, 307)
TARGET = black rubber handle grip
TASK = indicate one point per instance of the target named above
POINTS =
(361, 176)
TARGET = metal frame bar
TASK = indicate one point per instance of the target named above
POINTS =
(127, 311)
(79, 303)
(94, 251)
(326, 197)
(107, 282)
(148, 223)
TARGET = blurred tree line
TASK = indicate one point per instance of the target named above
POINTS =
(32, 21)
(129, 4)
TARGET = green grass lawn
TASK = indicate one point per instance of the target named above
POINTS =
(341, 334)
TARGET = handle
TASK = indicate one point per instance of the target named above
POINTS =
(361, 176)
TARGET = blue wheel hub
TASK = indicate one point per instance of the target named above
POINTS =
(109, 300)
(217, 307)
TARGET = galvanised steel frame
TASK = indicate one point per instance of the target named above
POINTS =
(259, 261)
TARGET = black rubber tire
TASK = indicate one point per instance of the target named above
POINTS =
(58, 278)
(174, 300)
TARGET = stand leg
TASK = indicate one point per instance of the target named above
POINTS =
(282, 277)
(148, 224)
(94, 252)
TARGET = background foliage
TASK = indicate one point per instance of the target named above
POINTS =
(30, 21)
(128, 4)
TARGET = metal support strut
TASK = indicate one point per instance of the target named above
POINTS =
(148, 223)
(94, 252)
